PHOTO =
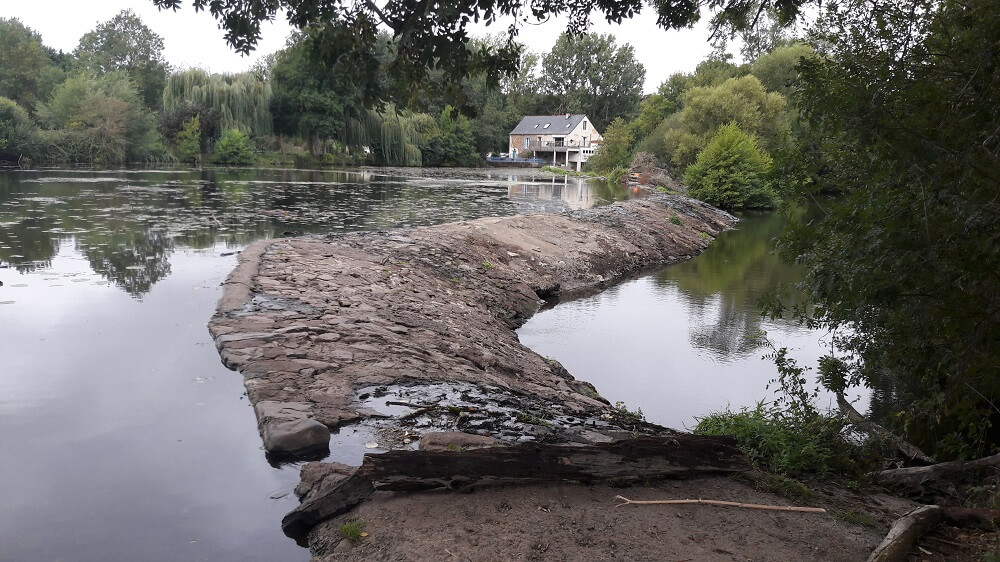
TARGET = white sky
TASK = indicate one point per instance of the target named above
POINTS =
(194, 40)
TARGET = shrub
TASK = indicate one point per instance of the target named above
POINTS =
(18, 134)
(788, 442)
(235, 148)
(732, 172)
(188, 140)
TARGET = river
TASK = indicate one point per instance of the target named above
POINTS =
(125, 438)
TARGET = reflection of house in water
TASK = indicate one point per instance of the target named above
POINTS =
(558, 194)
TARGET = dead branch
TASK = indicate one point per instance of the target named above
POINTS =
(908, 449)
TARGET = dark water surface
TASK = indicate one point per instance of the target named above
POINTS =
(122, 435)
(683, 342)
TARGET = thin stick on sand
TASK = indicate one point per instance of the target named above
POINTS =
(627, 501)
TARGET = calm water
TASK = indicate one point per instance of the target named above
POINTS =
(123, 436)
(683, 342)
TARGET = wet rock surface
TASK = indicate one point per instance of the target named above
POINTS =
(411, 331)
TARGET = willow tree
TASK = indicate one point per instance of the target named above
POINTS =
(312, 102)
(242, 101)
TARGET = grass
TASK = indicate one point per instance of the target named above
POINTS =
(353, 530)
(778, 485)
(789, 444)
(487, 264)
(855, 517)
(634, 414)
(676, 219)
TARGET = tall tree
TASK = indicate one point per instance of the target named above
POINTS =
(903, 265)
(433, 36)
(591, 74)
(125, 43)
(705, 109)
(27, 69)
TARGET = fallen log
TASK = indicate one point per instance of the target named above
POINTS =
(909, 450)
(908, 529)
(940, 480)
(332, 491)
(620, 461)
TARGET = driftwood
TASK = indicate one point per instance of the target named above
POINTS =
(627, 501)
(325, 502)
(908, 529)
(627, 460)
(938, 480)
(908, 449)
(621, 461)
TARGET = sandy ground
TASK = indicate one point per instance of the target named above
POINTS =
(577, 522)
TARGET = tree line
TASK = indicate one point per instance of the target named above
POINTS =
(115, 100)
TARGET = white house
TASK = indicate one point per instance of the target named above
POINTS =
(565, 140)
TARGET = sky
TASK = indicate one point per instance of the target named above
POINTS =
(193, 39)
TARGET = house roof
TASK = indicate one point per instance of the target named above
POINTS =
(547, 124)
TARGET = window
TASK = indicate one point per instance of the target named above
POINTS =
(527, 142)
(546, 126)
(584, 125)
(536, 125)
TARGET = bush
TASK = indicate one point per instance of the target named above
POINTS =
(235, 148)
(188, 140)
(791, 444)
(18, 133)
(732, 172)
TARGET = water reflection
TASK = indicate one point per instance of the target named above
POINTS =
(723, 286)
(128, 223)
(683, 342)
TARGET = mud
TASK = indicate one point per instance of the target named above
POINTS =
(330, 328)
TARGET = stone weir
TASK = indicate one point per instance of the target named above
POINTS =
(323, 329)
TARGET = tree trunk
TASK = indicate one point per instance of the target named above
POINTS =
(938, 480)
(621, 461)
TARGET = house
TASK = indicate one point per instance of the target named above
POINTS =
(565, 140)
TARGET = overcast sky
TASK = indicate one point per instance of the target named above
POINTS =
(194, 40)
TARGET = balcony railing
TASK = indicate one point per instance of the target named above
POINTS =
(542, 145)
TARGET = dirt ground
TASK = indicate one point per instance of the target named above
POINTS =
(580, 522)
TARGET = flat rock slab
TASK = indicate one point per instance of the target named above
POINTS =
(310, 321)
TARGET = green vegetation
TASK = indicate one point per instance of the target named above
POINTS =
(235, 148)
(125, 44)
(188, 141)
(902, 265)
(18, 133)
(786, 442)
(352, 530)
(636, 414)
(731, 172)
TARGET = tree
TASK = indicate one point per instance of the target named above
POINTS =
(124, 43)
(18, 133)
(592, 75)
(731, 172)
(435, 36)
(99, 120)
(614, 150)
(224, 101)
(188, 141)
(903, 264)
(452, 142)
(236, 148)
(27, 70)
(740, 100)
(777, 70)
